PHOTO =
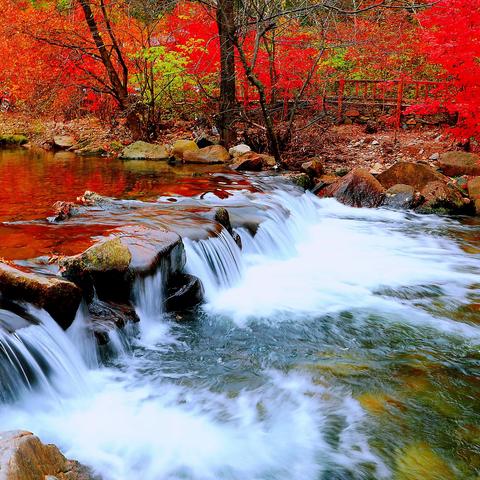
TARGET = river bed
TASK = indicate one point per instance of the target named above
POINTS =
(338, 344)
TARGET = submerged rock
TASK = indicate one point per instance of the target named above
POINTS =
(211, 154)
(358, 189)
(59, 297)
(455, 164)
(24, 457)
(408, 173)
(184, 291)
(144, 150)
(420, 462)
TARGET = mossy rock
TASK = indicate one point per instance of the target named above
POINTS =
(105, 266)
(182, 146)
(143, 150)
(13, 140)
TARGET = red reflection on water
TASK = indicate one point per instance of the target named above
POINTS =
(31, 181)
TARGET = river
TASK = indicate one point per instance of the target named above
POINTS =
(338, 344)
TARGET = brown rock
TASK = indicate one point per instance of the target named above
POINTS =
(358, 189)
(459, 163)
(253, 162)
(313, 168)
(24, 457)
(211, 154)
(409, 173)
(442, 198)
(473, 186)
(62, 142)
(59, 297)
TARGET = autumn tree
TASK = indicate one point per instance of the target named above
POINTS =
(451, 39)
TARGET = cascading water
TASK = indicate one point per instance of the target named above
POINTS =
(326, 315)
(82, 336)
(217, 261)
(38, 357)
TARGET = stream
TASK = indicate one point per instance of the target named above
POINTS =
(337, 344)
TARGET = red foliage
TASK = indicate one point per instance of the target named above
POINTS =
(451, 39)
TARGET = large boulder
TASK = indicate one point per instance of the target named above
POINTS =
(253, 162)
(182, 146)
(59, 297)
(401, 197)
(443, 198)
(112, 265)
(473, 186)
(409, 173)
(184, 291)
(104, 266)
(24, 457)
(358, 189)
(63, 142)
(211, 154)
(146, 151)
(455, 164)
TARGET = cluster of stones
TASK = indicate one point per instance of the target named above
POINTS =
(188, 151)
(453, 189)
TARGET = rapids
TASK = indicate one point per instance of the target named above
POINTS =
(335, 345)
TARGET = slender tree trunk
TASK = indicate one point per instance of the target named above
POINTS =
(227, 110)
(118, 82)
(272, 137)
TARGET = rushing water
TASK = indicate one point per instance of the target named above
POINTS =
(338, 344)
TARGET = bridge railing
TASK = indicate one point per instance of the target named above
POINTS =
(396, 95)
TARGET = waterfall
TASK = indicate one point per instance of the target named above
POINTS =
(83, 337)
(148, 299)
(216, 261)
(40, 357)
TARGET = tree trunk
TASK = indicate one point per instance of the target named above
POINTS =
(272, 137)
(225, 16)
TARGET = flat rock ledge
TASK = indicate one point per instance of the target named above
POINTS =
(59, 297)
(24, 457)
(111, 266)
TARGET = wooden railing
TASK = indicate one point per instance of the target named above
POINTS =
(341, 93)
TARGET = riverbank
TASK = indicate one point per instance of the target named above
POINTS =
(340, 148)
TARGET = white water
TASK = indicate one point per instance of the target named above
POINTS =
(134, 421)
(325, 258)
